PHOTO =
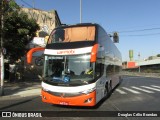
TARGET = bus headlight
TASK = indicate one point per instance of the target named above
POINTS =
(88, 91)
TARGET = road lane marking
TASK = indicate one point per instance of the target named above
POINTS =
(133, 91)
(147, 91)
(151, 88)
(155, 86)
(120, 91)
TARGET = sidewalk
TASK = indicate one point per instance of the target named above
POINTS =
(21, 89)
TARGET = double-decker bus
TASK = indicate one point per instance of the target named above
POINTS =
(81, 65)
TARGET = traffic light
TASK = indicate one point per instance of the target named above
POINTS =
(115, 37)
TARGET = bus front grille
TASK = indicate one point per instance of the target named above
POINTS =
(58, 94)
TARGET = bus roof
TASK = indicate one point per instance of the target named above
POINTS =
(79, 24)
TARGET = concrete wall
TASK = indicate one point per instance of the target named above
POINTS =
(47, 20)
(148, 62)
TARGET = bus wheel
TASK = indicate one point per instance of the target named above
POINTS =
(108, 89)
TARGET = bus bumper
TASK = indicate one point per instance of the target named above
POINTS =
(81, 100)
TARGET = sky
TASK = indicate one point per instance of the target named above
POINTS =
(136, 21)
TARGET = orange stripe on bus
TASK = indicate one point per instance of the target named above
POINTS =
(94, 53)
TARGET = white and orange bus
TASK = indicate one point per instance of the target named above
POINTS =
(81, 65)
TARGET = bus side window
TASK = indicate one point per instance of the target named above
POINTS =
(59, 36)
(99, 69)
(117, 69)
(110, 70)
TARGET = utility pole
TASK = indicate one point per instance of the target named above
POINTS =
(2, 57)
(80, 11)
(33, 4)
(139, 68)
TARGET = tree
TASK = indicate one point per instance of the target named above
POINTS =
(18, 31)
(158, 55)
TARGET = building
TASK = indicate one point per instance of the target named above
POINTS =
(47, 21)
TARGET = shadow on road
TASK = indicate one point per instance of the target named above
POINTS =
(16, 104)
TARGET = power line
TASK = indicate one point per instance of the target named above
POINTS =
(142, 35)
(27, 4)
(139, 30)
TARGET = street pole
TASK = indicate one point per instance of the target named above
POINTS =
(33, 4)
(80, 11)
(2, 57)
(139, 68)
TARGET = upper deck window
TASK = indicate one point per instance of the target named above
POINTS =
(72, 34)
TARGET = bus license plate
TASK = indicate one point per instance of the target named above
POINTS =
(63, 103)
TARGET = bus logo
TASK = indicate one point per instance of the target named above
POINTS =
(64, 52)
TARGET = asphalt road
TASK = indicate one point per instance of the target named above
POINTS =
(133, 94)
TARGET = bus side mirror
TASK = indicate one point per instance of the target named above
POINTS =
(115, 37)
(30, 53)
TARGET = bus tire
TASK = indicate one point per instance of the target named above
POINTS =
(108, 89)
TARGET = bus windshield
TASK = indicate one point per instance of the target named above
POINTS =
(70, 70)
(72, 34)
